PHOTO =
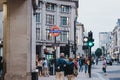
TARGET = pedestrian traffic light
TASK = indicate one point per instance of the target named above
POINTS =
(90, 42)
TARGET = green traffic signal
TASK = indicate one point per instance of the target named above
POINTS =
(90, 44)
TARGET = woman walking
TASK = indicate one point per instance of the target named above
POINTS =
(104, 65)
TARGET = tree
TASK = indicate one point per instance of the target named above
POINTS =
(103, 49)
(98, 52)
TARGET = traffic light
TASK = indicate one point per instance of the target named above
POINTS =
(90, 42)
(85, 40)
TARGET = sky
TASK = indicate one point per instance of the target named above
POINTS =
(98, 16)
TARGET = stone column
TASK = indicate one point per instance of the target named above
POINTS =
(57, 52)
(17, 40)
(33, 42)
(4, 35)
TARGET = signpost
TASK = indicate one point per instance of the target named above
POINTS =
(55, 31)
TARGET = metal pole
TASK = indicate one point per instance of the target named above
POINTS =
(75, 37)
(55, 54)
(89, 65)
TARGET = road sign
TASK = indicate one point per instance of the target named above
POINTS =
(55, 31)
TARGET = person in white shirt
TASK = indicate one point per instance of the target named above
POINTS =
(45, 68)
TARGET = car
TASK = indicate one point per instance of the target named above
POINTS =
(109, 60)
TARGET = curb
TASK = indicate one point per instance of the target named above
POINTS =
(101, 77)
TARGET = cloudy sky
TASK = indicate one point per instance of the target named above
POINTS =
(98, 16)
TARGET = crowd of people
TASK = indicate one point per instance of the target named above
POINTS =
(67, 67)
(63, 67)
(42, 66)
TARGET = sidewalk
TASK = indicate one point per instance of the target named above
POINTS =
(81, 76)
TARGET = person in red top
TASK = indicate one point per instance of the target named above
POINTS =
(76, 63)
(86, 64)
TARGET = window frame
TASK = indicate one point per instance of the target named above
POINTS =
(50, 7)
(50, 19)
(64, 21)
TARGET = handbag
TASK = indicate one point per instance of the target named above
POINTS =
(75, 71)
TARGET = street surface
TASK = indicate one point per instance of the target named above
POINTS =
(113, 73)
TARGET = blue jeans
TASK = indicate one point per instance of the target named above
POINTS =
(81, 68)
(86, 67)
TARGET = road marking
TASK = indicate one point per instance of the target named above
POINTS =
(101, 77)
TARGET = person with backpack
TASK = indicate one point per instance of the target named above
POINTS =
(70, 69)
(60, 66)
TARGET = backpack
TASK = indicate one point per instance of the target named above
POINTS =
(60, 65)
(75, 71)
(69, 68)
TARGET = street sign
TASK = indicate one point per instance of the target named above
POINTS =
(55, 31)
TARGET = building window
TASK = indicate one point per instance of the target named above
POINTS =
(50, 6)
(37, 33)
(64, 21)
(64, 36)
(65, 9)
(49, 19)
(48, 35)
(38, 17)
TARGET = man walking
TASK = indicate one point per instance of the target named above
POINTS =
(60, 67)
(81, 61)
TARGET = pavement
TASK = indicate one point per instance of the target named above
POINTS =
(113, 73)
(81, 76)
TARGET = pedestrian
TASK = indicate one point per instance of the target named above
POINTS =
(104, 65)
(86, 64)
(45, 68)
(75, 61)
(40, 67)
(60, 67)
(81, 61)
(97, 61)
(70, 69)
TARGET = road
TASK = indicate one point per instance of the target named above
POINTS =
(113, 72)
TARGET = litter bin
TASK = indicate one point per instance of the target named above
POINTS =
(35, 75)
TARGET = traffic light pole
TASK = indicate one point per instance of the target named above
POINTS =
(89, 64)
(90, 45)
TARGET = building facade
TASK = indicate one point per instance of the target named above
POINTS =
(104, 41)
(116, 39)
(61, 13)
(79, 38)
